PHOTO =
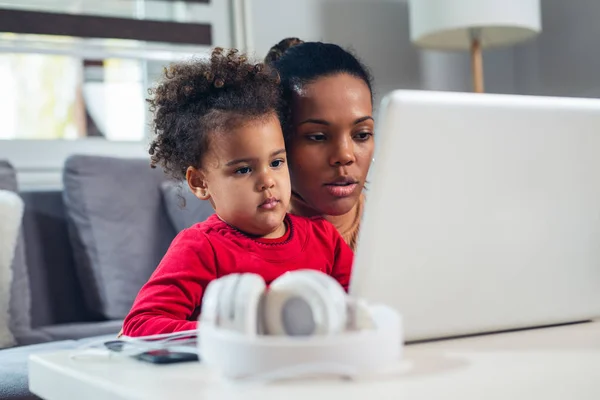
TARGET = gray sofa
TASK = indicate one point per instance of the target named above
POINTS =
(84, 252)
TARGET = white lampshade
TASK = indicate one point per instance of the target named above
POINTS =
(448, 24)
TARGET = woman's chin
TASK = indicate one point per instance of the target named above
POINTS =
(339, 207)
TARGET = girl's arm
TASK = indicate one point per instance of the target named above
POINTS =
(170, 300)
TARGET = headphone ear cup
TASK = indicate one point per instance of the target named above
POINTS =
(359, 315)
(305, 302)
(336, 299)
(232, 302)
(225, 303)
(209, 313)
(247, 297)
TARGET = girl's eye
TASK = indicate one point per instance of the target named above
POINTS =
(362, 136)
(243, 170)
(317, 137)
(277, 163)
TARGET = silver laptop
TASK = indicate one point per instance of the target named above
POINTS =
(483, 212)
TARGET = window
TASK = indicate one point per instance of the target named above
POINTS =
(49, 96)
(93, 83)
(75, 73)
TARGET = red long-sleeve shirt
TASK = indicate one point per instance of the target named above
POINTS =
(170, 301)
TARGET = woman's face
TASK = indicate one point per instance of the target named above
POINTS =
(332, 144)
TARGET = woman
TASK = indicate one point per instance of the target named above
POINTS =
(328, 127)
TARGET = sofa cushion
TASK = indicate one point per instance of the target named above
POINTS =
(14, 383)
(183, 207)
(118, 227)
(11, 214)
(83, 330)
(13, 368)
(32, 337)
(20, 295)
(56, 295)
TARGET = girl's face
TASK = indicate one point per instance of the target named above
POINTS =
(245, 176)
(332, 144)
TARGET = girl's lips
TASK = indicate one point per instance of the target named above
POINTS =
(341, 190)
(269, 203)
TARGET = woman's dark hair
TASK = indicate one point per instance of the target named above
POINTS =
(300, 63)
(196, 99)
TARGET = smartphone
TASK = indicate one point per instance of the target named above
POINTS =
(165, 356)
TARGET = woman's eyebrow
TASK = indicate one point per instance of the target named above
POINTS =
(323, 122)
(315, 121)
(363, 119)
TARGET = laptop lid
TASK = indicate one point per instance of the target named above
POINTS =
(482, 212)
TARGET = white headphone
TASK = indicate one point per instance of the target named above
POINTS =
(303, 322)
(298, 303)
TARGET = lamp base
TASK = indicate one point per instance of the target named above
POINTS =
(476, 61)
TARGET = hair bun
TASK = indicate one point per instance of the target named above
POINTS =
(280, 48)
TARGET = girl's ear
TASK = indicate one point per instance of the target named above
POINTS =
(197, 182)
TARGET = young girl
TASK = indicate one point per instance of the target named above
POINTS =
(217, 126)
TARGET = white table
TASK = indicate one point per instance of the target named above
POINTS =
(548, 363)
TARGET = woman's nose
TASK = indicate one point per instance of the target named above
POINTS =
(342, 152)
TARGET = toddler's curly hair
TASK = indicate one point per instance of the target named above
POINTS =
(197, 99)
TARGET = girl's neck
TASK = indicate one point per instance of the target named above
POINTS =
(278, 233)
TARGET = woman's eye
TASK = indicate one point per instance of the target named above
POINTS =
(363, 135)
(277, 163)
(243, 170)
(316, 137)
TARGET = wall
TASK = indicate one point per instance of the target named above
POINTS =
(377, 31)
(563, 61)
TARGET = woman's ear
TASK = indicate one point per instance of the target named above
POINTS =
(197, 182)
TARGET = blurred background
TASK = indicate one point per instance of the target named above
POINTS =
(74, 74)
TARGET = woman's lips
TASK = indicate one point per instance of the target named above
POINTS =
(341, 189)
